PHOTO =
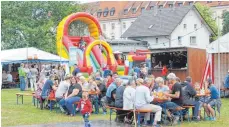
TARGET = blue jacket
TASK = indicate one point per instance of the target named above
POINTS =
(226, 85)
(111, 87)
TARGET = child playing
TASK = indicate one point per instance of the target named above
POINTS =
(85, 107)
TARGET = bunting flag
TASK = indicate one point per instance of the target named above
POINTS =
(208, 70)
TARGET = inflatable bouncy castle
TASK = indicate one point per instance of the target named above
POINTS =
(140, 56)
(96, 54)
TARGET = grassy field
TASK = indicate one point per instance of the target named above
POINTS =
(27, 114)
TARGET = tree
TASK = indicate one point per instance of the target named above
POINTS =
(225, 22)
(207, 15)
(33, 23)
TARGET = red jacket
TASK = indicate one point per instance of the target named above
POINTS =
(164, 71)
(85, 106)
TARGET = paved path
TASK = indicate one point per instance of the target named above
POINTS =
(98, 123)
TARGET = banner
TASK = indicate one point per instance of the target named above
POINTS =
(208, 70)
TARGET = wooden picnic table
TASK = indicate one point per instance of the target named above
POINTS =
(22, 95)
(160, 100)
(202, 95)
(93, 93)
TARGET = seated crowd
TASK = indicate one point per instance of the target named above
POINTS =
(148, 93)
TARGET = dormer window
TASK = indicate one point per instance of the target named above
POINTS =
(190, 3)
(151, 7)
(99, 13)
(105, 12)
(112, 11)
(133, 10)
(125, 11)
(142, 9)
(170, 5)
(180, 4)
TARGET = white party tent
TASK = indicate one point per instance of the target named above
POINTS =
(223, 45)
(30, 54)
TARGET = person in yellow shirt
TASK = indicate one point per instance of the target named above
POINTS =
(22, 75)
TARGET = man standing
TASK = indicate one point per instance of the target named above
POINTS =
(76, 70)
(164, 72)
(33, 78)
(27, 76)
(226, 83)
(22, 75)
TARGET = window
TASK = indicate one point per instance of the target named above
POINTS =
(185, 26)
(190, 3)
(179, 4)
(133, 10)
(156, 40)
(193, 40)
(104, 27)
(209, 1)
(179, 40)
(112, 26)
(99, 13)
(160, 6)
(105, 12)
(195, 26)
(124, 25)
(170, 5)
(112, 37)
(112, 11)
(151, 7)
(142, 9)
(125, 11)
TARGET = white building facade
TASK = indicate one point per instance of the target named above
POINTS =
(113, 29)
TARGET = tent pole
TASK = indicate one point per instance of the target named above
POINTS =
(219, 80)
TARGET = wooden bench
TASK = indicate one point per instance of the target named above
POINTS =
(138, 112)
(22, 96)
(188, 107)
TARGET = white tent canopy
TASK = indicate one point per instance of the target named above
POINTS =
(21, 55)
(223, 45)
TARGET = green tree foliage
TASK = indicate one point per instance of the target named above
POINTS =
(33, 23)
(207, 14)
(225, 22)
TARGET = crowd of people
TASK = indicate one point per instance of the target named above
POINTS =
(29, 74)
(143, 92)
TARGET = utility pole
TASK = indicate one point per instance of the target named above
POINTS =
(219, 79)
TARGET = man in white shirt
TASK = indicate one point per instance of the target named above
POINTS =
(33, 78)
(9, 77)
(142, 102)
(129, 99)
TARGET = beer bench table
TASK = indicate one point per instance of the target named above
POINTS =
(22, 95)
(138, 112)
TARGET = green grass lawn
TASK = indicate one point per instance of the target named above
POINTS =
(27, 114)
